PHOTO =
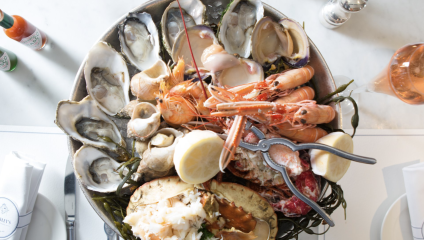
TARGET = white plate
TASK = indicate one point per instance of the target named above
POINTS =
(46, 221)
(396, 223)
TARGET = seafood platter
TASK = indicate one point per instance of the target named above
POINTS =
(156, 117)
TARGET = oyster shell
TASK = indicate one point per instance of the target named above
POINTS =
(107, 78)
(158, 160)
(145, 85)
(237, 26)
(85, 122)
(172, 24)
(201, 37)
(96, 170)
(144, 122)
(287, 39)
(139, 40)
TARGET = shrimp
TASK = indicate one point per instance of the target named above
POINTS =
(175, 109)
(302, 114)
(308, 135)
(297, 114)
(177, 75)
(277, 85)
(300, 94)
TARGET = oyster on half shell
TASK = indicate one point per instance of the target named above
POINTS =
(139, 40)
(237, 26)
(107, 78)
(96, 170)
(85, 122)
(172, 24)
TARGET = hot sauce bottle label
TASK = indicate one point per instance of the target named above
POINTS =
(4, 62)
(33, 41)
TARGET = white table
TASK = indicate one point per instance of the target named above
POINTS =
(359, 49)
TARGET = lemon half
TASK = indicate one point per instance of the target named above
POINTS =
(328, 165)
(196, 156)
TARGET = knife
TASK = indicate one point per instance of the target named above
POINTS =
(70, 200)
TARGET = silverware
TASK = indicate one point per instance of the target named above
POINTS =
(264, 145)
(111, 235)
(70, 200)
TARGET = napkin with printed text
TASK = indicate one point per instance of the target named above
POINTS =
(20, 178)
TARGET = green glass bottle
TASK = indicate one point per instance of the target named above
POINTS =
(8, 60)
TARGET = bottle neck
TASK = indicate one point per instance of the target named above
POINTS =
(6, 21)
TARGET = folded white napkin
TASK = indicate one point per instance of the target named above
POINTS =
(414, 184)
(20, 178)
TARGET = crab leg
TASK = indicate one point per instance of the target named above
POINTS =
(232, 142)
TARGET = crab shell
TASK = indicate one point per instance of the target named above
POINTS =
(164, 188)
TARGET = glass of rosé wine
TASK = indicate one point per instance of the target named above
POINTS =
(403, 78)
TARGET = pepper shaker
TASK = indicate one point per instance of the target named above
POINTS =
(336, 12)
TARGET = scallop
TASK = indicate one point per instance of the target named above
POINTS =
(286, 39)
(172, 24)
(96, 170)
(85, 122)
(139, 40)
(237, 26)
(107, 78)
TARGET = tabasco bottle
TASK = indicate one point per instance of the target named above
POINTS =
(18, 29)
(8, 60)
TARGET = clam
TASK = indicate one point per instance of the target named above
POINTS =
(85, 122)
(96, 170)
(237, 26)
(247, 71)
(201, 37)
(286, 39)
(107, 79)
(144, 122)
(145, 85)
(139, 40)
(158, 158)
(228, 70)
(172, 24)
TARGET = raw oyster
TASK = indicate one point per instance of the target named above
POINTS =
(96, 170)
(107, 79)
(145, 84)
(287, 39)
(85, 122)
(144, 122)
(237, 25)
(139, 40)
(201, 37)
(158, 158)
(172, 24)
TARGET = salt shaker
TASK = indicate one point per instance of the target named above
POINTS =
(336, 12)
